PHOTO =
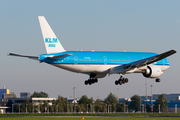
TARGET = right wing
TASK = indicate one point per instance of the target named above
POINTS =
(140, 63)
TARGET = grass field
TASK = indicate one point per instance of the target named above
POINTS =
(90, 118)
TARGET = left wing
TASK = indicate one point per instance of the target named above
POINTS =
(140, 63)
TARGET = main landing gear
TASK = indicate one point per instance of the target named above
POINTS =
(91, 79)
(121, 81)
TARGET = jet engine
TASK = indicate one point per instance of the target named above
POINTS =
(152, 71)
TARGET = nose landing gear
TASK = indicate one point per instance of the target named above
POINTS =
(158, 80)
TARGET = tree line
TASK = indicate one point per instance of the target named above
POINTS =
(85, 104)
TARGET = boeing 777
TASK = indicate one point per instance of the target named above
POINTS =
(97, 64)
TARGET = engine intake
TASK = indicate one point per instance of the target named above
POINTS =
(152, 72)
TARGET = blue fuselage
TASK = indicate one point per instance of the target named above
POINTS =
(99, 58)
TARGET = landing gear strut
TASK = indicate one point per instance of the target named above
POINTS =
(121, 81)
(91, 80)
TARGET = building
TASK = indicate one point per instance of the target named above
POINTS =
(169, 97)
(4, 91)
(34, 101)
(3, 106)
(123, 100)
(24, 95)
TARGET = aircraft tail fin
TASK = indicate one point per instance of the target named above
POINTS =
(52, 43)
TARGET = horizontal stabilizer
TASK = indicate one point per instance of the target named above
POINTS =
(18, 55)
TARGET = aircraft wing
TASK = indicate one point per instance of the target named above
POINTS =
(18, 55)
(59, 56)
(140, 63)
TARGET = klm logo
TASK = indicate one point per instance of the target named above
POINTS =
(51, 41)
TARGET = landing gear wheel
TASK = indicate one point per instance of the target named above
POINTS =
(126, 80)
(96, 80)
(158, 80)
(86, 82)
(90, 82)
(116, 82)
(120, 82)
(123, 81)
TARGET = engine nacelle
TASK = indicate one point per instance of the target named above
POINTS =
(152, 71)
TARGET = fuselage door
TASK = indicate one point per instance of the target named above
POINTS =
(105, 59)
(75, 60)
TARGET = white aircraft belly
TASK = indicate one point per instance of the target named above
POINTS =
(85, 68)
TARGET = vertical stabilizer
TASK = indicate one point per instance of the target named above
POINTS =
(52, 43)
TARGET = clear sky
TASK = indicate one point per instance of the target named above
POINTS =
(110, 25)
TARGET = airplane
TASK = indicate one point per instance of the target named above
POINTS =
(97, 64)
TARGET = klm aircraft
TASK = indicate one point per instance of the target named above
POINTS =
(97, 64)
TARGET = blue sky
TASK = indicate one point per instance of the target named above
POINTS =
(110, 25)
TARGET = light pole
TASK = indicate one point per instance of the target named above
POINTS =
(33, 107)
(151, 93)
(26, 108)
(127, 108)
(74, 99)
(87, 108)
(106, 108)
(67, 107)
(38, 108)
(146, 89)
(151, 100)
(124, 108)
(12, 107)
(91, 108)
(47, 108)
(19, 108)
(57, 108)
(140, 101)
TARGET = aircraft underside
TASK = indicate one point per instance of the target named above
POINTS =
(100, 71)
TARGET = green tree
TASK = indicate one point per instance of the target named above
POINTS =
(98, 105)
(120, 107)
(41, 107)
(113, 101)
(84, 100)
(148, 107)
(62, 104)
(162, 102)
(16, 108)
(135, 103)
(40, 94)
(26, 104)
